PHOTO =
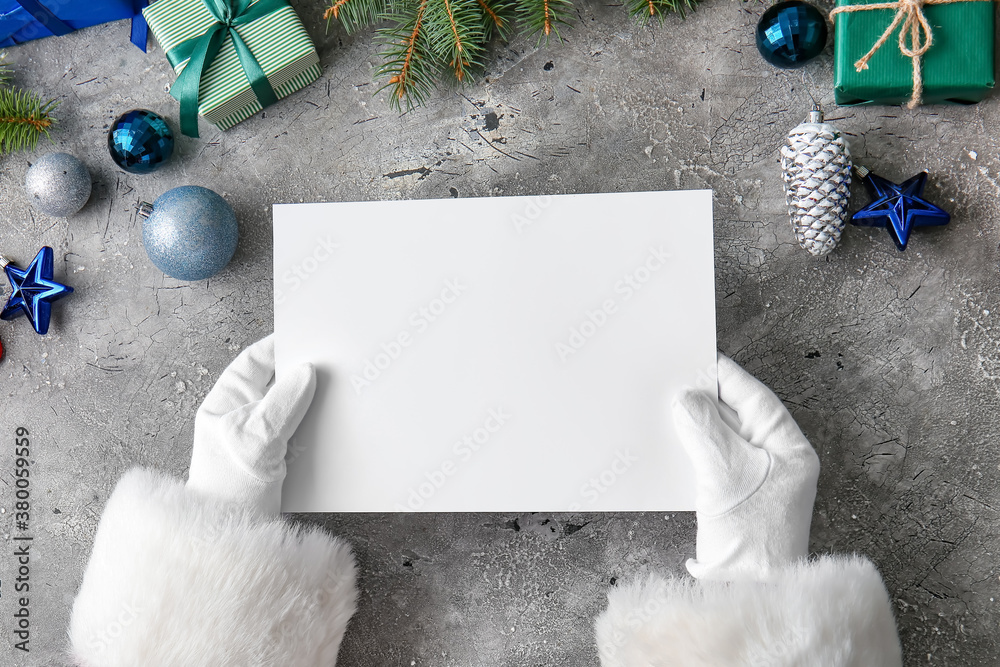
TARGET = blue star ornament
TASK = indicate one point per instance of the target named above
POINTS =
(33, 290)
(898, 207)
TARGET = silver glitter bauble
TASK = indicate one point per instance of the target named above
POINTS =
(816, 168)
(58, 185)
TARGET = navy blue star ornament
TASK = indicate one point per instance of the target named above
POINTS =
(898, 207)
(33, 290)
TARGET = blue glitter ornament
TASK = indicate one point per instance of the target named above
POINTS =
(33, 290)
(190, 232)
(791, 33)
(140, 141)
(898, 207)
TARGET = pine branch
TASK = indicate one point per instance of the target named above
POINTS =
(499, 17)
(647, 10)
(24, 118)
(356, 14)
(426, 40)
(454, 30)
(410, 62)
(543, 17)
(5, 71)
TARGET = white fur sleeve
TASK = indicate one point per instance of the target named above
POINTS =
(175, 579)
(833, 612)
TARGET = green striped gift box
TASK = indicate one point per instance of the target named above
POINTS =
(278, 41)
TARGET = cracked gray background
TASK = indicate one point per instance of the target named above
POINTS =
(890, 361)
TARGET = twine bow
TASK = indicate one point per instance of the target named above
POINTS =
(915, 36)
(200, 51)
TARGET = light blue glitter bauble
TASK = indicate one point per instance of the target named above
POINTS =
(191, 233)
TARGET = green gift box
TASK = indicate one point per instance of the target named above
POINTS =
(956, 69)
(244, 55)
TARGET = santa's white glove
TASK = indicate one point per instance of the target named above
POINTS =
(242, 429)
(755, 487)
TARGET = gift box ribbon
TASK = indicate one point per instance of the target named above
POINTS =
(140, 31)
(45, 16)
(58, 27)
(909, 13)
(201, 51)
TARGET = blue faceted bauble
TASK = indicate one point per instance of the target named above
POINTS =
(790, 34)
(191, 233)
(140, 141)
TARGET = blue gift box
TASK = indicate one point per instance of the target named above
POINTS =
(24, 20)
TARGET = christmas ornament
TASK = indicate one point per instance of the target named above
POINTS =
(190, 232)
(140, 141)
(816, 168)
(58, 185)
(33, 290)
(898, 207)
(791, 33)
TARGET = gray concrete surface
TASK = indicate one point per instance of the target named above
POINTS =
(890, 361)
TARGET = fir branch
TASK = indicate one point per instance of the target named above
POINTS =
(24, 117)
(454, 31)
(5, 71)
(409, 61)
(498, 18)
(646, 10)
(427, 39)
(543, 17)
(356, 14)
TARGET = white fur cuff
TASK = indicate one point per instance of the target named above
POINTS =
(175, 579)
(833, 612)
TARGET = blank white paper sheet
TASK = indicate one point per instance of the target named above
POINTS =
(504, 354)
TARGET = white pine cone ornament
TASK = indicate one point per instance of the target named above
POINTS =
(816, 168)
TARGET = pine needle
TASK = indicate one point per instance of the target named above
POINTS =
(499, 17)
(647, 10)
(5, 71)
(543, 17)
(24, 118)
(425, 41)
(410, 63)
(356, 14)
(455, 34)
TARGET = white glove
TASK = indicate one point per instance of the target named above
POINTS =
(755, 487)
(242, 429)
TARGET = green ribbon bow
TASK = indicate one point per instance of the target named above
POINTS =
(201, 51)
